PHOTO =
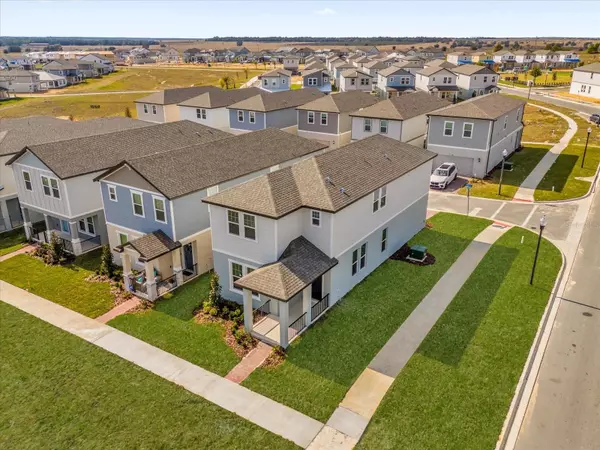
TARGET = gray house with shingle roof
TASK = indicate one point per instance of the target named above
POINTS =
(155, 217)
(473, 80)
(161, 107)
(394, 81)
(276, 80)
(317, 78)
(290, 244)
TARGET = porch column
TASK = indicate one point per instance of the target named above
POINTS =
(284, 322)
(126, 263)
(26, 222)
(48, 227)
(307, 304)
(75, 239)
(150, 283)
(177, 266)
(248, 319)
(4, 215)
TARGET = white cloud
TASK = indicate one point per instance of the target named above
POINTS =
(325, 12)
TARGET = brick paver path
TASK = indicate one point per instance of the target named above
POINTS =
(26, 249)
(249, 363)
(118, 310)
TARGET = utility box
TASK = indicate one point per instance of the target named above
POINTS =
(417, 253)
(508, 165)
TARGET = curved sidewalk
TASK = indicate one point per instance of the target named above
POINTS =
(526, 191)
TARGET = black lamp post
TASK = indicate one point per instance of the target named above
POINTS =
(537, 250)
(589, 131)
(504, 155)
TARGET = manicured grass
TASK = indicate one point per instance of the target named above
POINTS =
(524, 162)
(322, 365)
(78, 106)
(542, 125)
(58, 391)
(561, 76)
(64, 285)
(456, 389)
(169, 325)
(11, 241)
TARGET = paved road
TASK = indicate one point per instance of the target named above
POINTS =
(537, 95)
(564, 411)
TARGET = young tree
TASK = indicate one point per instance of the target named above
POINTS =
(535, 72)
(57, 251)
(225, 82)
(246, 72)
(498, 47)
(127, 112)
(107, 265)
(553, 76)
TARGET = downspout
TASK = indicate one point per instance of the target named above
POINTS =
(489, 147)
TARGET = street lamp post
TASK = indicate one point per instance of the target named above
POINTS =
(530, 85)
(543, 222)
(589, 131)
(504, 155)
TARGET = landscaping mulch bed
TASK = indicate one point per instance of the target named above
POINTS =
(402, 255)
(276, 358)
(240, 350)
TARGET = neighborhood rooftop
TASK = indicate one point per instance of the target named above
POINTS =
(471, 69)
(221, 98)
(488, 107)
(266, 101)
(276, 73)
(328, 182)
(177, 95)
(403, 107)
(342, 102)
(593, 68)
(152, 245)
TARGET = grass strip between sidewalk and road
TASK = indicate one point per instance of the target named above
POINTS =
(326, 360)
(59, 391)
(457, 388)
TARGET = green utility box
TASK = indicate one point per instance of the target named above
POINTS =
(508, 165)
(417, 253)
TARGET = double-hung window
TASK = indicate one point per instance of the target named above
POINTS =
(123, 238)
(323, 118)
(384, 233)
(448, 128)
(50, 186)
(352, 81)
(240, 116)
(265, 82)
(379, 198)
(233, 222)
(359, 259)
(145, 109)
(160, 214)
(138, 204)
(383, 126)
(367, 126)
(485, 79)
(201, 113)
(363, 256)
(252, 117)
(27, 181)
(315, 218)
(237, 271)
(250, 227)
(87, 226)
(112, 192)
(354, 262)
(154, 109)
(505, 121)
(467, 130)
(312, 81)
(249, 224)
(311, 117)
(391, 79)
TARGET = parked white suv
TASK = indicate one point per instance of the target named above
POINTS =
(443, 176)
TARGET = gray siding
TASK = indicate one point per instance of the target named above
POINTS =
(318, 76)
(512, 124)
(246, 125)
(191, 215)
(331, 127)
(221, 267)
(345, 123)
(282, 119)
(479, 140)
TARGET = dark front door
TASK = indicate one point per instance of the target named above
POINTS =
(188, 257)
(317, 288)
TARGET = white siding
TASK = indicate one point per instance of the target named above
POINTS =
(83, 194)
(358, 128)
(215, 118)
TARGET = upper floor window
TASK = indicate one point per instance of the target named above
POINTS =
(448, 128)
(383, 126)
(265, 82)
(484, 79)
(50, 186)
(145, 109)
(159, 210)
(153, 109)
(467, 130)
(323, 118)
(505, 121)
(315, 218)
(252, 117)
(201, 113)
(27, 180)
(493, 79)
(138, 204)
(391, 79)
(384, 239)
(367, 125)
(379, 198)
(249, 224)
(240, 116)
(112, 192)
(352, 81)
(311, 117)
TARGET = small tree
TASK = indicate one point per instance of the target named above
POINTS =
(107, 265)
(498, 47)
(210, 305)
(535, 72)
(71, 117)
(246, 72)
(127, 112)
(553, 76)
(56, 253)
(225, 82)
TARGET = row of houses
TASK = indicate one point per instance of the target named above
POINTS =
(508, 59)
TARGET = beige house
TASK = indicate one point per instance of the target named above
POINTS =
(161, 107)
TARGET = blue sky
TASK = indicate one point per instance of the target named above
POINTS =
(197, 19)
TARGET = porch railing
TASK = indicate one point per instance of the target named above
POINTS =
(318, 308)
(90, 243)
(188, 274)
(299, 324)
(262, 311)
(66, 244)
(166, 285)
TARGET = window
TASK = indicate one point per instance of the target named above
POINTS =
(112, 193)
(265, 82)
(323, 118)
(27, 180)
(352, 81)
(315, 218)
(283, 81)
(50, 186)
(379, 198)
(367, 125)
(233, 221)
(325, 79)
(391, 79)
(383, 126)
(363, 256)
(123, 238)
(445, 80)
(250, 227)
(237, 272)
(64, 226)
(159, 210)
(145, 109)
(384, 239)
(505, 121)
(354, 262)
(467, 130)
(201, 113)
(448, 128)
(138, 205)
(153, 109)
(312, 81)
(485, 79)
(240, 115)
(87, 225)
(311, 117)
(252, 117)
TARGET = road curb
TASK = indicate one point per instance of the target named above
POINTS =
(590, 191)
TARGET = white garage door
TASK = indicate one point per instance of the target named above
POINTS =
(464, 165)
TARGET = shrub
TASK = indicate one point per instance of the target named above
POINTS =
(214, 294)
(107, 265)
(127, 112)
(56, 251)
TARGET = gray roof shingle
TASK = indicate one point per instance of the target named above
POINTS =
(488, 107)
(472, 69)
(276, 73)
(152, 245)
(342, 102)
(267, 101)
(394, 70)
(221, 98)
(354, 73)
(403, 107)
(175, 96)
(594, 68)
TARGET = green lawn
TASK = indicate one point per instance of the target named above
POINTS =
(58, 391)
(542, 125)
(322, 365)
(169, 325)
(64, 285)
(456, 390)
(524, 162)
(12, 240)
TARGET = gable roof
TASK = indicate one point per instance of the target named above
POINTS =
(440, 63)
(267, 101)
(394, 70)
(403, 107)
(329, 182)
(354, 73)
(80, 156)
(221, 98)
(306, 73)
(275, 73)
(151, 245)
(177, 95)
(375, 65)
(592, 68)
(488, 107)
(409, 64)
(412, 58)
(362, 60)
(431, 70)
(342, 102)
(189, 169)
(472, 69)
(314, 65)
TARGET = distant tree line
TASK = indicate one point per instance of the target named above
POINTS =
(22, 41)
(376, 40)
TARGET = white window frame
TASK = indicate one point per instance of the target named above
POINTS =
(367, 125)
(246, 269)
(451, 128)
(201, 113)
(505, 122)
(164, 211)
(112, 191)
(354, 262)
(119, 234)
(232, 222)
(391, 80)
(379, 199)
(315, 216)
(362, 260)
(52, 189)
(310, 117)
(27, 181)
(251, 117)
(141, 203)
(326, 116)
(265, 82)
(145, 108)
(382, 127)
(465, 129)
(255, 227)
(154, 109)
(384, 236)
(312, 81)
(242, 116)
(86, 226)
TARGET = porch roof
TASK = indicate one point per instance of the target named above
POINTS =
(152, 245)
(300, 264)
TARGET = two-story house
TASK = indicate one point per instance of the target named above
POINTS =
(438, 81)
(524, 58)
(20, 81)
(459, 58)
(338, 68)
(473, 80)
(482, 58)
(210, 108)
(567, 58)
(293, 242)
(162, 106)
(361, 61)
(99, 59)
(328, 118)
(505, 59)
(440, 63)
(402, 118)
(50, 81)
(473, 134)
(394, 81)
(156, 221)
(56, 179)
(586, 81)
(374, 67)
(366, 50)
(330, 60)
(317, 78)
(546, 58)
(355, 80)
(276, 80)
(291, 63)
(270, 110)
(314, 65)
(411, 66)
(68, 69)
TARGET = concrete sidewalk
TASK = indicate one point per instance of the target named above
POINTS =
(260, 410)
(527, 188)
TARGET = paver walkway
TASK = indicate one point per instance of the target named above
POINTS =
(260, 410)
(362, 399)
(26, 249)
(527, 188)
(249, 363)
(119, 309)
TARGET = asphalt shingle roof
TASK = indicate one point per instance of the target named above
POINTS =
(472, 69)
(403, 107)
(594, 68)
(354, 73)
(175, 96)
(152, 245)
(342, 102)
(441, 63)
(276, 73)
(221, 98)
(267, 101)
(394, 70)
(488, 107)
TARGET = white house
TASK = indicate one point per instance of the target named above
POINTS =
(291, 63)
(586, 81)
(276, 80)
(473, 80)
(162, 106)
(20, 81)
(459, 58)
(546, 58)
(524, 57)
(437, 80)
(290, 244)
(355, 80)
(505, 58)
(50, 81)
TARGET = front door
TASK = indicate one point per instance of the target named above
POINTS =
(317, 288)
(188, 257)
